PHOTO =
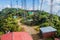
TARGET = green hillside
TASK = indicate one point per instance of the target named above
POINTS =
(39, 18)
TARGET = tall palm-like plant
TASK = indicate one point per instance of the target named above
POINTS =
(38, 5)
(41, 8)
(25, 6)
(51, 10)
(41, 4)
(17, 4)
(33, 4)
(11, 3)
(51, 7)
(22, 4)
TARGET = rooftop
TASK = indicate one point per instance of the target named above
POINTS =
(47, 29)
(16, 36)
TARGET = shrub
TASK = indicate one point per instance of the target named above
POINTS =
(44, 24)
(1, 33)
(37, 28)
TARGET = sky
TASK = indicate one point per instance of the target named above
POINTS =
(45, 6)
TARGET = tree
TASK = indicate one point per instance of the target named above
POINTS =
(7, 22)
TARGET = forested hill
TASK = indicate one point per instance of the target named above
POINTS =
(41, 18)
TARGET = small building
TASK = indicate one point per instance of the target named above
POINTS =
(14, 17)
(16, 36)
(32, 12)
(47, 32)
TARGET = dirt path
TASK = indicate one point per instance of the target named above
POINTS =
(30, 30)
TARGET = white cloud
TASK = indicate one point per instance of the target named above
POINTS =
(46, 6)
(48, 2)
(30, 8)
(15, 6)
(5, 6)
(57, 1)
(54, 2)
(56, 7)
(8, 6)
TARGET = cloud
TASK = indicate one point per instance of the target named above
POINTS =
(57, 1)
(16, 6)
(56, 5)
(30, 9)
(54, 2)
(46, 6)
(5, 6)
(8, 6)
(57, 9)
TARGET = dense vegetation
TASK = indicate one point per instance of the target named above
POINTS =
(7, 20)
(43, 19)
(40, 18)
